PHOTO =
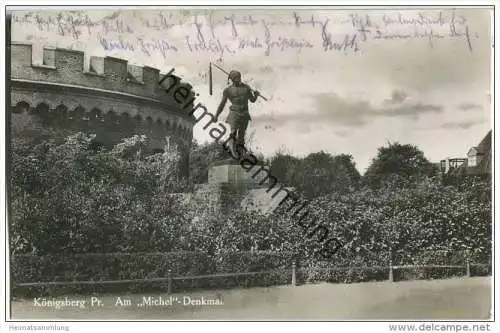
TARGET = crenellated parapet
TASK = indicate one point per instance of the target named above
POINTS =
(104, 95)
(64, 66)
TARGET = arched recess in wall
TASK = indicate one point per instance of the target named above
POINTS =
(185, 132)
(146, 126)
(94, 123)
(178, 130)
(173, 129)
(158, 126)
(138, 123)
(21, 107)
(60, 114)
(78, 113)
(78, 119)
(111, 118)
(95, 115)
(126, 122)
(41, 109)
(42, 112)
(61, 110)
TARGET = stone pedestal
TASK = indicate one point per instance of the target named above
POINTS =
(230, 174)
(231, 186)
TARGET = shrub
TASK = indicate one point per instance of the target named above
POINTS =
(76, 198)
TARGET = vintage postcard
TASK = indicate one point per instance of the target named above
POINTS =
(250, 164)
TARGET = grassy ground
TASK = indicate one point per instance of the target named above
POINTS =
(459, 298)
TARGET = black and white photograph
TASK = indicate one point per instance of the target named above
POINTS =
(250, 163)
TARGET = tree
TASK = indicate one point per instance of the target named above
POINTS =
(346, 174)
(283, 166)
(71, 197)
(321, 173)
(201, 157)
(427, 223)
(398, 164)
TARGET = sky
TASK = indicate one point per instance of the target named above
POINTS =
(342, 81)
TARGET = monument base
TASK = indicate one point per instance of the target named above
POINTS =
(231, 186)
(231, 174)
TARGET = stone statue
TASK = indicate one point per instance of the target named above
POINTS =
(239, 94)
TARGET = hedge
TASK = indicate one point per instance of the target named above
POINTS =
(276, 268)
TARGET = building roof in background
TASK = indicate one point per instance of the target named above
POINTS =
(483, 148)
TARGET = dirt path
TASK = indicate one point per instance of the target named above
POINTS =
(467, 298)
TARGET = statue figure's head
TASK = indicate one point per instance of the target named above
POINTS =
(235, 76)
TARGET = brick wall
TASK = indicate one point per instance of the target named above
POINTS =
(60, 94)
(69, 69)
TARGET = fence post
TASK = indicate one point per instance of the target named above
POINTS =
(294, 274)
(169, 281)
(391, 273)
(467, 264)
